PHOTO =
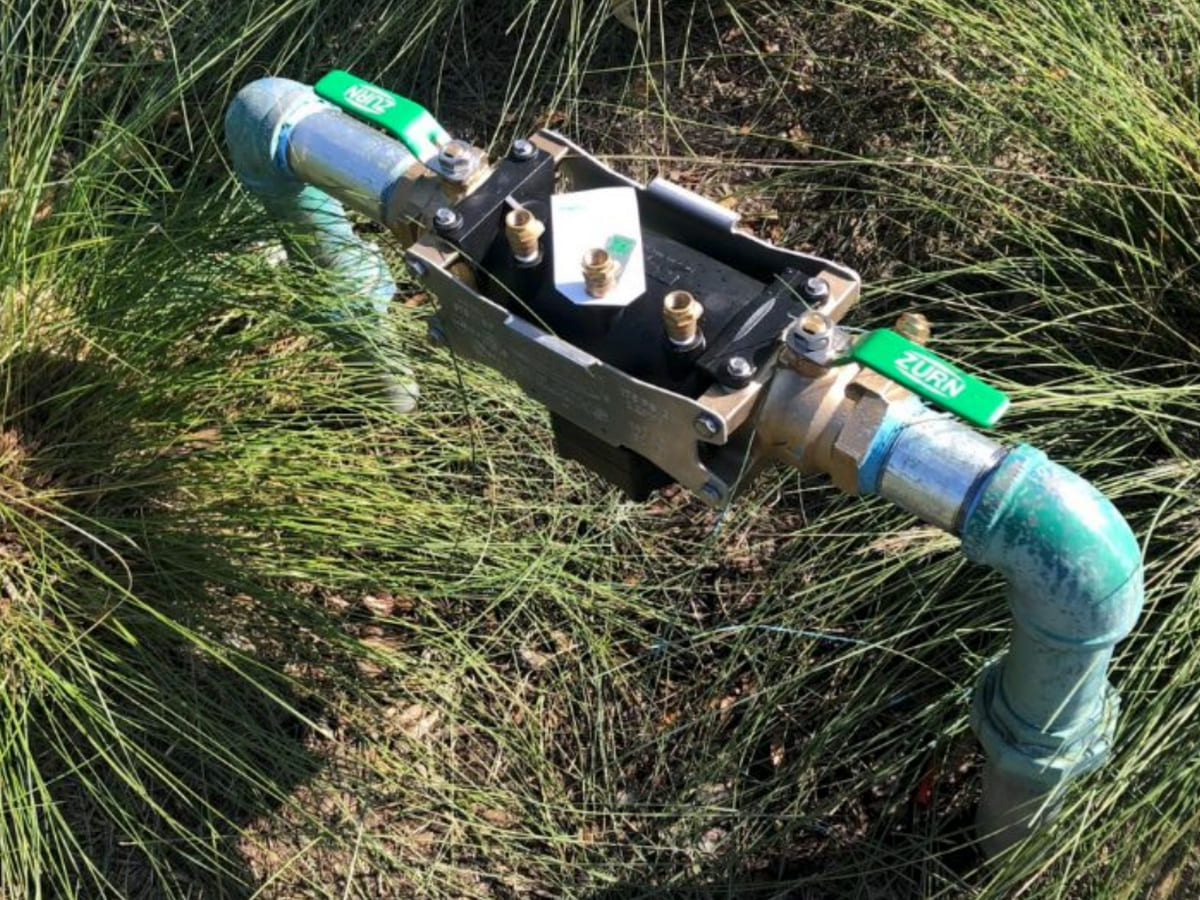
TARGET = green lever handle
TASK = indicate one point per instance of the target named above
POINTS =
(928, 375)
(410, 122)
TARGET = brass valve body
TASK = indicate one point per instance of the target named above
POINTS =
(824, 420)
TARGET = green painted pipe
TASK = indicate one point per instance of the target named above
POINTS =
(1045, 712)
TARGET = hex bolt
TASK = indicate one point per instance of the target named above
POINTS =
(681, 314)
(815, 290)
(599, 271)
(417, 266)
(522, 150)
(712, 491)
(707, 425)
(739, 370)
(456, 161)
(524, 230)
(446, 220)
(812, 331)
(913, 326)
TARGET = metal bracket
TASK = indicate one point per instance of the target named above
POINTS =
(687, 438)
(615, 407)
(692, 204)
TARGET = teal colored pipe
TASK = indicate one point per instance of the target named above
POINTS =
(297, 155)
(1044, 711)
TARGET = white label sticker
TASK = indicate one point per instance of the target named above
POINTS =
(604, 218)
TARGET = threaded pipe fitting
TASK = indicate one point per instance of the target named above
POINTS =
(913, 326)
(681, 318)
(524, 230)
(600, 272)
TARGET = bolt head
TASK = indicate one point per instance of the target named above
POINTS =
(446, 219)
(522, 150)
(815, 290)
(739, 369)
(456, 160)
(707, 425)
(417, 266)
(711, 492)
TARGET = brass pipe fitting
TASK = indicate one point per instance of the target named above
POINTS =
(913, 326)
(600, 272)
(681, 314)
(524, 230)
(825, 420)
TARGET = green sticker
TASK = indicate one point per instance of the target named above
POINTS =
(620, 248)
(401, 117)
(928, 375)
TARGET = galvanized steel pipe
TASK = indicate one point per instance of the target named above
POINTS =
(302, 158)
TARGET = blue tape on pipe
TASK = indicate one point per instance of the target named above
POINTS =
(896, 420)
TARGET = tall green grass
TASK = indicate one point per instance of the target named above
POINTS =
(260, 638)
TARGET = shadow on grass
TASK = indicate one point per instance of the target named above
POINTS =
(149, 739)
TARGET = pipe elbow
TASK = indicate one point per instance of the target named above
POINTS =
(253, 124)
(1044, 711)
(260, 125)
(1072, 563)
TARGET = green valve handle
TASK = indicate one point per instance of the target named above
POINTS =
(928, 375)
(410, 122)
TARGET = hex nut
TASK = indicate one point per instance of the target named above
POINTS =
(739, 366)
(739, 369)
(446, 219)
(815, 290)
(456, 161)
(854, 440)
(811, 332)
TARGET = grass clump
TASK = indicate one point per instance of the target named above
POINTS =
(261, 638)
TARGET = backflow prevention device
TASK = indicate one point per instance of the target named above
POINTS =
(670, 346)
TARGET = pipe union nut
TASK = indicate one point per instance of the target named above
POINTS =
(1019, 750)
